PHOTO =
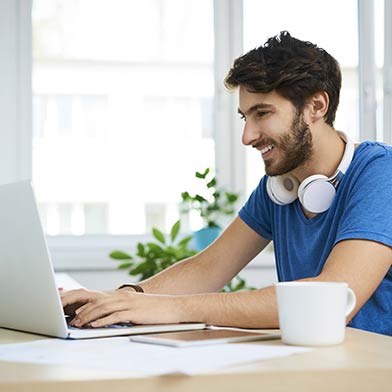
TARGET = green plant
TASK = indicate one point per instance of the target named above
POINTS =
(153, 257)
(214, 203)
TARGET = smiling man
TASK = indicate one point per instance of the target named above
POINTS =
(324, 202)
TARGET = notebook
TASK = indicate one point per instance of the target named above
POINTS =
(29, 298)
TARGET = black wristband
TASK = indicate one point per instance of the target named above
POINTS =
(136, 287)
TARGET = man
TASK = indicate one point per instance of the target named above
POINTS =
(288, 97)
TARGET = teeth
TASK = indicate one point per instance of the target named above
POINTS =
(266, 149)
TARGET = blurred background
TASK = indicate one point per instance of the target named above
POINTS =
(119, 102)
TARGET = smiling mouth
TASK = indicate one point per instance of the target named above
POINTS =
(264, 151)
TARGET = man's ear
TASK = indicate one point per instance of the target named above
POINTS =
(317, 106)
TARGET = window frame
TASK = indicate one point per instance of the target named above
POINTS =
(387, 73)
(367, 71)
(15, 94)
(91, 252)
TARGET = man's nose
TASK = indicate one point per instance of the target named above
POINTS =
(250, 134)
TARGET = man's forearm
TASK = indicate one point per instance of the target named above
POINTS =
(198, 274)
(212, 268)
(247, 309)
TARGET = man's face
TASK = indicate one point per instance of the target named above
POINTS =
(273, 126)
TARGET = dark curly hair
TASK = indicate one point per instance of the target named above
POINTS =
(295, 69)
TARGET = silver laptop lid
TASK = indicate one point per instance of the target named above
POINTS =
(29, 300)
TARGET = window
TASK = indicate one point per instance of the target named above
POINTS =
(124, 91)
(122, 111)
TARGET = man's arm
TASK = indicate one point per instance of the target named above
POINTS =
(206, 272)
(362, 264)
(212, 268)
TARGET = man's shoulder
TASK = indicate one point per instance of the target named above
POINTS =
(370, 155)
(374, 149)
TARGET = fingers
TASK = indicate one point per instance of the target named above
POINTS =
(74, 296)
(114, 318)
(73, 300)
(102, 308)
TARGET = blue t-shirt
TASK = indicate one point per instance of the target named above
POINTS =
(361, 209)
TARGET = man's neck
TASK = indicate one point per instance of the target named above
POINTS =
(328, 150)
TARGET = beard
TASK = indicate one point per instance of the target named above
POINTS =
(296, 146)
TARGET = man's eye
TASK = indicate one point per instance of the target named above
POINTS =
(242, 117)
(261, 114)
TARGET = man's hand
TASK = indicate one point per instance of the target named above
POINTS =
(73, 300)
(100, 308)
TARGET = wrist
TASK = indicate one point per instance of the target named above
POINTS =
(134, 287)
(189, 308)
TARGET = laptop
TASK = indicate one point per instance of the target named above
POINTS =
(29, 298)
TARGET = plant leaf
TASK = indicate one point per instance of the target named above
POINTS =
(125, 266)
(175, 230)
(170, 251)
(212, 183)
(240, 285)
(120, 255)
(185, 196)
(159, 235)
(140, 250)
(139, 269)
(231, 197)
(202, 175)
(200, 198)
(184, 242)
(153, 247)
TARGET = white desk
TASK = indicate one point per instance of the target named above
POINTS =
(362, 363)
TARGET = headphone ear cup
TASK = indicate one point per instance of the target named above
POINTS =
(316, 193)
(283, 189)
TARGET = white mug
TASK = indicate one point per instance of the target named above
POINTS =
(313, 313)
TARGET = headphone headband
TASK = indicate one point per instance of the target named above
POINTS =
(347, 157)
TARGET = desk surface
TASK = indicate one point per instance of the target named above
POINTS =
(363, 362)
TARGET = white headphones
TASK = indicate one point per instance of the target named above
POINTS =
(316, 192)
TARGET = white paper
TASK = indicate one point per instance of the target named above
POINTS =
(65, 282)
(119, 354)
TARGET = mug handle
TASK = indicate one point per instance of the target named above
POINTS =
(351, 301)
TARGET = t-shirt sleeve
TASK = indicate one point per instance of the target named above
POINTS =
(368, 211)
(256, 211)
